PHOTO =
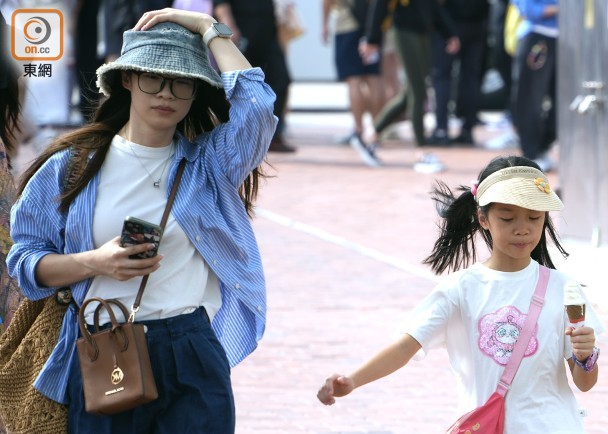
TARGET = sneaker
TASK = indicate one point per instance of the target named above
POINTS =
(438, 138)
(367, 153)
(428, 163)
(464, 139)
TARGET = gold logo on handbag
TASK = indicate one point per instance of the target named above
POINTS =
(117, 375)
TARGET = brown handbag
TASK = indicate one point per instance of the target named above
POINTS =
(114, 362)
(115, 365)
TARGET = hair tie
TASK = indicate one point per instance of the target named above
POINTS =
(474, 185)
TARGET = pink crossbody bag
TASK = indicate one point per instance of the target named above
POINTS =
(490, 417)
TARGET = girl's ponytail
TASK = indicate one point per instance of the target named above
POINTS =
(455, 247)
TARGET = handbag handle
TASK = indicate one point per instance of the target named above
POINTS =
(163, 222)
(536, 305)
(116, 326)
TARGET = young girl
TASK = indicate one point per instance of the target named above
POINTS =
(165, 105)
(477, 312)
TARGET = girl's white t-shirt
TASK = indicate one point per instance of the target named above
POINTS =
(184, 280)
(477, 314)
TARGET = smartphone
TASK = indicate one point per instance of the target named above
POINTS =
(137, 231)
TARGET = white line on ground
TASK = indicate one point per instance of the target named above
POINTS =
(343, 242)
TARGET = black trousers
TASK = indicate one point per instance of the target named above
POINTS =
(472, 40)
(536, 126)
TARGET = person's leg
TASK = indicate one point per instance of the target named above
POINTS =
(550, 120)
(356, 101)
(471, 55)
(278, 78)
(535, 76)
(441, 73)
(375, 96)
(417, 53)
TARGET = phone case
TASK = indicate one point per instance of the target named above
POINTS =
(137, 231)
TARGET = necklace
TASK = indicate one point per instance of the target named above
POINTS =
(155, 183)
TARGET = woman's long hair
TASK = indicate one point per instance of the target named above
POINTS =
(455, 247)
(10, 109)
(209, 108)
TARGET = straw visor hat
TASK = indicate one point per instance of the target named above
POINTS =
(168, 49)
(523, 186)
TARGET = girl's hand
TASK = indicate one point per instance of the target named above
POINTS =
(335, 386)
(113, 260)
(583, 341)
(196, 22)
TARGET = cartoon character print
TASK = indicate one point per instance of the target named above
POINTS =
(499, 331)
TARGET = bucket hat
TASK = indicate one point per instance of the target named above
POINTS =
(166, 48)
(523, 186)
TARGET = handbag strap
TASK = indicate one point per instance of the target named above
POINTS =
(163, 222)
(536, 304)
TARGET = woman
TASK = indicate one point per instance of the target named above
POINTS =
(165, 104)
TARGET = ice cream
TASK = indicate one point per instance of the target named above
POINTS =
(575, 304)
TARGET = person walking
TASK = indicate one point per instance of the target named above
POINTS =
(471, 20)
(537, 81)
(413, 21)
(205, 307)
(360, 72)
(478, 312)
(254, 27)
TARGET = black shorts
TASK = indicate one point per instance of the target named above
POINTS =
(348, 60)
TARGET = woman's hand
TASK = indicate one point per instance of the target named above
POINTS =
(335, 386)
(111, 260)
(196, 22)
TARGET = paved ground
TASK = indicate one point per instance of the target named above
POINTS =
(342, 246)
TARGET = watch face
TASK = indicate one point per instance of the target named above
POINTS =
(222, 30)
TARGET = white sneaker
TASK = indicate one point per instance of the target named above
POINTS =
(366, 152)
(429, 163)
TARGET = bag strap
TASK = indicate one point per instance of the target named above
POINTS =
(163, 222)
(536, 305)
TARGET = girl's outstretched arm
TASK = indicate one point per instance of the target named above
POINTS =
(382, 364)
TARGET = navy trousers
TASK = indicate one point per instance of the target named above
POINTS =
(192, 376)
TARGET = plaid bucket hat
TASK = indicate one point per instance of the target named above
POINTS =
(168, 49)
(523, 186)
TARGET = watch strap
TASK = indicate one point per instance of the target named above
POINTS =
(589, 363)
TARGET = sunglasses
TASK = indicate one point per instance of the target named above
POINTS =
(150, 83)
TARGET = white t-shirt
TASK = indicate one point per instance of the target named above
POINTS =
(184, 281)
(477, 314)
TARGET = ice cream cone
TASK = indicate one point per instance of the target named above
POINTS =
(576, 315)
(575, 304)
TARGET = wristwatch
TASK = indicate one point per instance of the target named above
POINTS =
(588, 364)
(217, 30)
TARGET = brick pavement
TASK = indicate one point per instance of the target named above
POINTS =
(342, 246)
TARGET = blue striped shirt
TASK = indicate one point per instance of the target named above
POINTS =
(207, 207)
